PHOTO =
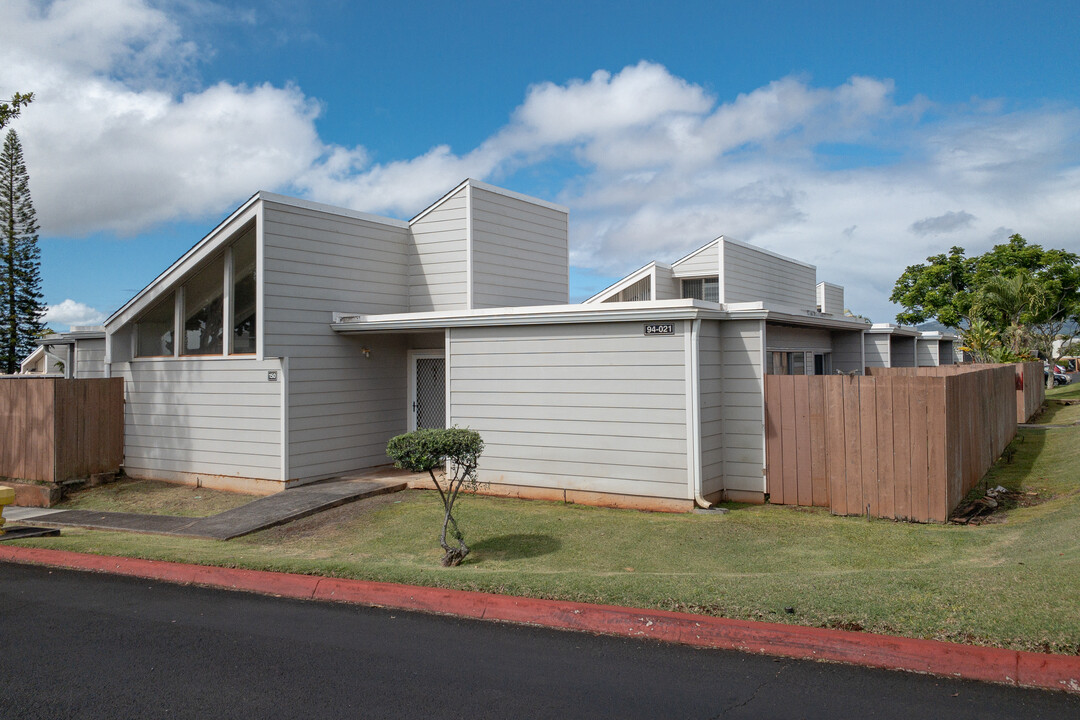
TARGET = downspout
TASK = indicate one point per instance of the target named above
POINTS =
(695, 412)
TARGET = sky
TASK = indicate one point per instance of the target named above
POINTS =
(860, 137)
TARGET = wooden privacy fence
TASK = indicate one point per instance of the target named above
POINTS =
(1030, 383)
(52, 429)
(902, 446)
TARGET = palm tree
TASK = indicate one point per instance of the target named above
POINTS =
(1009, 302)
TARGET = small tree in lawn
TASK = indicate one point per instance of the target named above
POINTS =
(426, 450)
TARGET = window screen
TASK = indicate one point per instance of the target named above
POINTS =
(707, 289)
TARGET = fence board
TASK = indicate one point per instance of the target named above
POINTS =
(907, 442)
(787, 432)
(57, 429)
(774, 444)
(853, 446)
(836, 443)
(868, 412)
(886, 460)
(819, 477)
(803, 452)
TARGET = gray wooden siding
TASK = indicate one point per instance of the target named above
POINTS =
(847, 355)
(742, 405)
(90, 358)
(438, 258)
(927, 353)
(830, 298)
(342, 406)
(786, 337)
(597, 407)
(520, 252)
(667, 287)
(752, 275)
(711, 368)
(902, 351)
(946, 352)
(877, 349)
(703, 262)
(218, 417)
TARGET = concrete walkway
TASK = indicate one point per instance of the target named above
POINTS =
(282, 507)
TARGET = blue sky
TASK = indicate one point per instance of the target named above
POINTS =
(858, 136)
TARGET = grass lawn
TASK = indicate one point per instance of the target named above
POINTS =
(1065, 392)
(1012, 583)
(152, 497)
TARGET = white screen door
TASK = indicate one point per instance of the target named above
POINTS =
(427, 390)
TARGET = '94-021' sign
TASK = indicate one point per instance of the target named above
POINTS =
(660, 328)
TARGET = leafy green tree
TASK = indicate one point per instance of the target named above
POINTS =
(10, 110)
(426, 450)
(940, 288)
(21, 304)
(1025, 294)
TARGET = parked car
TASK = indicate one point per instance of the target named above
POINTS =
(1060, 378)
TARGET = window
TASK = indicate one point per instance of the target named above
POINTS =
(243, 295)
(203, 310)
(707, 289)
(785, 363)
(154, 330)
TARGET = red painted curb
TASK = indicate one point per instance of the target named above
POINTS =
(1011, 667)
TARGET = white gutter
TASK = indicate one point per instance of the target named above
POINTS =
(694, 404)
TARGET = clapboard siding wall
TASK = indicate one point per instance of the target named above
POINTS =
(90, 359)
(742, 398)
(926, 353)
(711, 389)
(705, 261)
(902, 351)
(342, 407)
(878, 349)
(751, 274)
(597, 407)
(439, 256)
(848, 353)
(666, 286)
(215, 417)
(520, 254)
(787, 337)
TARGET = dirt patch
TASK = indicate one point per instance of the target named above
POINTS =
(992, 506)
(334, 517)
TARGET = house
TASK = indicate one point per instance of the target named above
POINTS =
(296, 338)
(79, 353)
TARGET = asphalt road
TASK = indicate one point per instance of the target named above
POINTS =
(80, 645)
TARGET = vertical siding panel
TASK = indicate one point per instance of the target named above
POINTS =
(836, 447)
(919, 452)
(818, 472)
(805, 490)
(868, 423)
(790, 441)
(936, 431)
(774, 441)
(884, 418)
(901, 426)
(853, 437)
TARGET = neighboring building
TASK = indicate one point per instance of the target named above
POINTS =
(42, 362)
(79, 353)
(295, 339)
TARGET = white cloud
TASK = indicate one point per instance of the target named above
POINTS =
(69, 312)
(121, 137)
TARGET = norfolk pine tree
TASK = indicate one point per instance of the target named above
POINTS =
(20, 260)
